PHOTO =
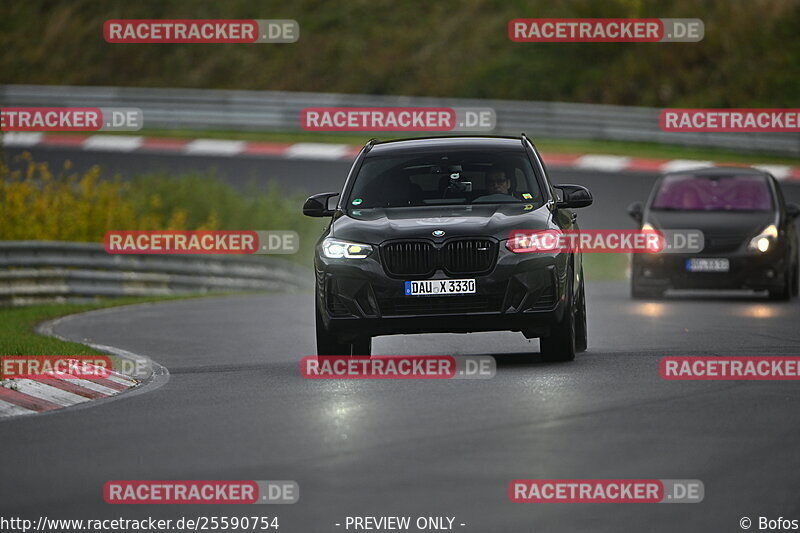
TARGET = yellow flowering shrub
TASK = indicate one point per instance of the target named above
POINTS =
(35, 204)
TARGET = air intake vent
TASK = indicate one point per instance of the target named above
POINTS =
(472, 256)
(456, 257)
(411, 258)
(547, 299)
(716, 243)
(439, 305)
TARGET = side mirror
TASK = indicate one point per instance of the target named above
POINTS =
(318, 205)
(792, 211)
(636, 212)
(574, 196)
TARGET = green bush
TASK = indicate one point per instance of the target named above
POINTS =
(40, 205)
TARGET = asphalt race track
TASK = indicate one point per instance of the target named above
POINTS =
(236, 407)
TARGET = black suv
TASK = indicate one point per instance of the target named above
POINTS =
(419, 243)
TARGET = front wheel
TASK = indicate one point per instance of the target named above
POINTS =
(581, 331)
(362, 346)
(328, 344)
(784, 292)
(560, 346)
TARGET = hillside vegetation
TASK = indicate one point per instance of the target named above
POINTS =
(750, 56)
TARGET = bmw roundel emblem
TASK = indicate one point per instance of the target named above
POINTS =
(438, 233)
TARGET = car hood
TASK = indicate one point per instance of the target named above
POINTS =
(713, 222)
(374, 226)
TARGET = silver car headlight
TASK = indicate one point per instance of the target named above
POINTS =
(337, 249)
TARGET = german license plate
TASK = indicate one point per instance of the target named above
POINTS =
(704, 264)
(440, 286)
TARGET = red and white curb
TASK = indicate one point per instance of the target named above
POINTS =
(334, 152)
(64, 390)
(29, 396)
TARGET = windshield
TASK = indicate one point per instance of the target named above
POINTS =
(420, 179)
(730, 193)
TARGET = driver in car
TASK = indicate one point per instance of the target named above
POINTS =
(497, 182)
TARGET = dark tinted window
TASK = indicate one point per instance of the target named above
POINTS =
(459, 177)
(729, 193)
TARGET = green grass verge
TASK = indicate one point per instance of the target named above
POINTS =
(17, 336)
(17, 324)
(547, 145)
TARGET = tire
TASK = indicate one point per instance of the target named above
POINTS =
(784, 293)
(328, 344)
(559, 346)
(795, 281)
(581, 342)
(362, 346)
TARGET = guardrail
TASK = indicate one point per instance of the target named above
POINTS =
(280, 111)
(37, 271)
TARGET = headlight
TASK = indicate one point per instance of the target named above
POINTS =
(652, 248)
(336, 249)
(764, 240)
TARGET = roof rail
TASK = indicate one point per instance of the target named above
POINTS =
(524, 138)
(370, 144)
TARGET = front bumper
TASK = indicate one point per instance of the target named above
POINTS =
(523, 292)
(747, 271)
